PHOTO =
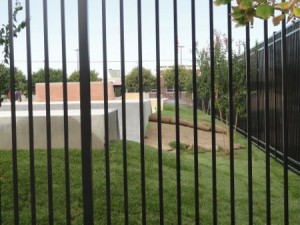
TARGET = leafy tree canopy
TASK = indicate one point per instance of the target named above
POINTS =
(245, 10)
(132, 80)
(183, 76)
(75, 76)
(221, 77)
(203, 79)
(20, 80)
(39, 76)
(4, 31)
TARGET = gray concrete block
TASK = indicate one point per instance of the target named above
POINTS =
(57, 129)
(132, 117)
(132, 113)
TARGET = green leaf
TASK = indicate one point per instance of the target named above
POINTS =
(277, 19)
(250, 13)
(283, 6)
(296, 12)
(237, 13)
(241, 22)
(242, 17)
(261, 1)
(264, 11)
(246, 4)
(221, 2)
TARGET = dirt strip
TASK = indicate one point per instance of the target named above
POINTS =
(186, 137)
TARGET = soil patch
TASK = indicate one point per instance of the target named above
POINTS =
(186, 137)
(200, 126)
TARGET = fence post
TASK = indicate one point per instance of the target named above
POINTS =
(85, 109)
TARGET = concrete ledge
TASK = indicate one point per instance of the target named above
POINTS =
(57, 129)
(132, 116)
(132, 113)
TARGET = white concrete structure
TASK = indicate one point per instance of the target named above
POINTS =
(57, 127)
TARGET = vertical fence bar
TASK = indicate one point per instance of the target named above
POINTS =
(285, 122)
(159, 132)
(0, 201)
(85, 114)
(30, 116)
(176, 68)
(141, 98)
(231, 120)
(231, 114)
(249, 128)
(267, 125)
(257, 98)
(13, 115)
(48, 111)
(213, 112)
(275, 85)
(124, 141)
(195, 118)
(66, 115)
(106, 125)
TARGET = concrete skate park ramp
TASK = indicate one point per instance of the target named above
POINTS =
(57, 129)
(115, 123)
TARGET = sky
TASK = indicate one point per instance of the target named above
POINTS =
(113, 33)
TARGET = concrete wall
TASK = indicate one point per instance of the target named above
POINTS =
(132, 116)
(57, 129)
(132, 113)
(56, 91)
(154, 104)
(135, 96)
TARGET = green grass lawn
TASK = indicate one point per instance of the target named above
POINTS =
(134, 187)
(185, 113)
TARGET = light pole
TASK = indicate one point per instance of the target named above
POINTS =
(181, 47)
(77, 50)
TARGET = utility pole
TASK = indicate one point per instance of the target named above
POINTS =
(77, 50)
(181, 47)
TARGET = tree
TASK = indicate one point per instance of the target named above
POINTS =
(132, 80)
(183, 76)
(74, 77)
(20, 80)
(221, 78)
(239, 82)
(203, 79)
(39, 76)
(221, 75)
(4, 31)
(245, 10)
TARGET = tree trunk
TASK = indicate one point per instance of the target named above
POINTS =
(224, 134)
(236, 122)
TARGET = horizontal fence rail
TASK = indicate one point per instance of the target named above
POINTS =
(155, 136)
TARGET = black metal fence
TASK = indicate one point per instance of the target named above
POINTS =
(275, 123)
(276, 94)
